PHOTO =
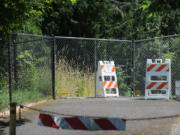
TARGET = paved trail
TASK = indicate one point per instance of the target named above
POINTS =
(110, 107)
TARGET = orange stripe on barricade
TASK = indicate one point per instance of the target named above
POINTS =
(115, 86)
(151, 85)
(162, 85)
(110, 84)
(102, 66)
(104, 83)
(167, 70)
(113, 69)
(161, 68)
(151, 67)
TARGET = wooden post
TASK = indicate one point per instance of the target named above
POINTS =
(12, 123)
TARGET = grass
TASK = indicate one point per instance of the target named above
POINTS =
(33, 85)
(24, 96)
(70, 82)
(73, 82)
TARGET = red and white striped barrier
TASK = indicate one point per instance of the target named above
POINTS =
(81, 123)
(161, 86)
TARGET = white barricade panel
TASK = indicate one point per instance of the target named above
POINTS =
(106, 80)
(158, 79)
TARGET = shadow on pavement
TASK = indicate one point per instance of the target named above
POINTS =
(4, 125)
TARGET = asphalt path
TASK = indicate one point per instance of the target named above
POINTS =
(144, 117)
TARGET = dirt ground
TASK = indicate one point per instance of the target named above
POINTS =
(144, 117)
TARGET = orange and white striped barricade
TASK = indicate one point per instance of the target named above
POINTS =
(158, 79)
(106, 80)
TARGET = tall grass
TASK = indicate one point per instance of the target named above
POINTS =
(36, 84)
(19, 96)
(71, 81)
(33, 85)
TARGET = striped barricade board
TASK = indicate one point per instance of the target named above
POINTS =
(106, 80)
(158, 79)
(81, 123)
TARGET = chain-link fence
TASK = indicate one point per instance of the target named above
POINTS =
(77, 60)
(66, 66)
(4, 79)
(166, 47)
(30, 64)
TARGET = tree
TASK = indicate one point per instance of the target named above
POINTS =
(168, 13)
(12, 16)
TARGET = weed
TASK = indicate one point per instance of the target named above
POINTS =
(71, 79)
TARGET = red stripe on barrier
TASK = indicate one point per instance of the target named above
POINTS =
(151, 85)
(102, 66)
(47, 120)
(105, 124)
(161, 68)
(113, 69)
(167, 70)
(110, 84)
(76, 123)
(151, 67)
(104, 83)
(162, 85)
(115, 86)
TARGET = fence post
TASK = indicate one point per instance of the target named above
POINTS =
(9, 73)
(53, 53)
(95, 67)
(134, 67)
(15, 64)
(12, 123)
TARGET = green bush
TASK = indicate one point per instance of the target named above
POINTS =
(124, 88)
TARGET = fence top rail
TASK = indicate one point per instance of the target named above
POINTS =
(94, 39)
(149, 39)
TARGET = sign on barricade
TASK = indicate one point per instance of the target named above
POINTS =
(106, 80)
(158, 79)
(81, 123)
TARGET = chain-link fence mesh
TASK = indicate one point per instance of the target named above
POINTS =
(76, 61)
(31, 68)
(4, 79)
(75, 65)
(120, 53)
(156, 48)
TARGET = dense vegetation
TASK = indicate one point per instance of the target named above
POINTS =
(121, 19)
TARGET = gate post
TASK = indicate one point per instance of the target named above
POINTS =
(9, 72)
(12, 123)
(95, 67)
(133, 68)
(15, 64)
(53, 64)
